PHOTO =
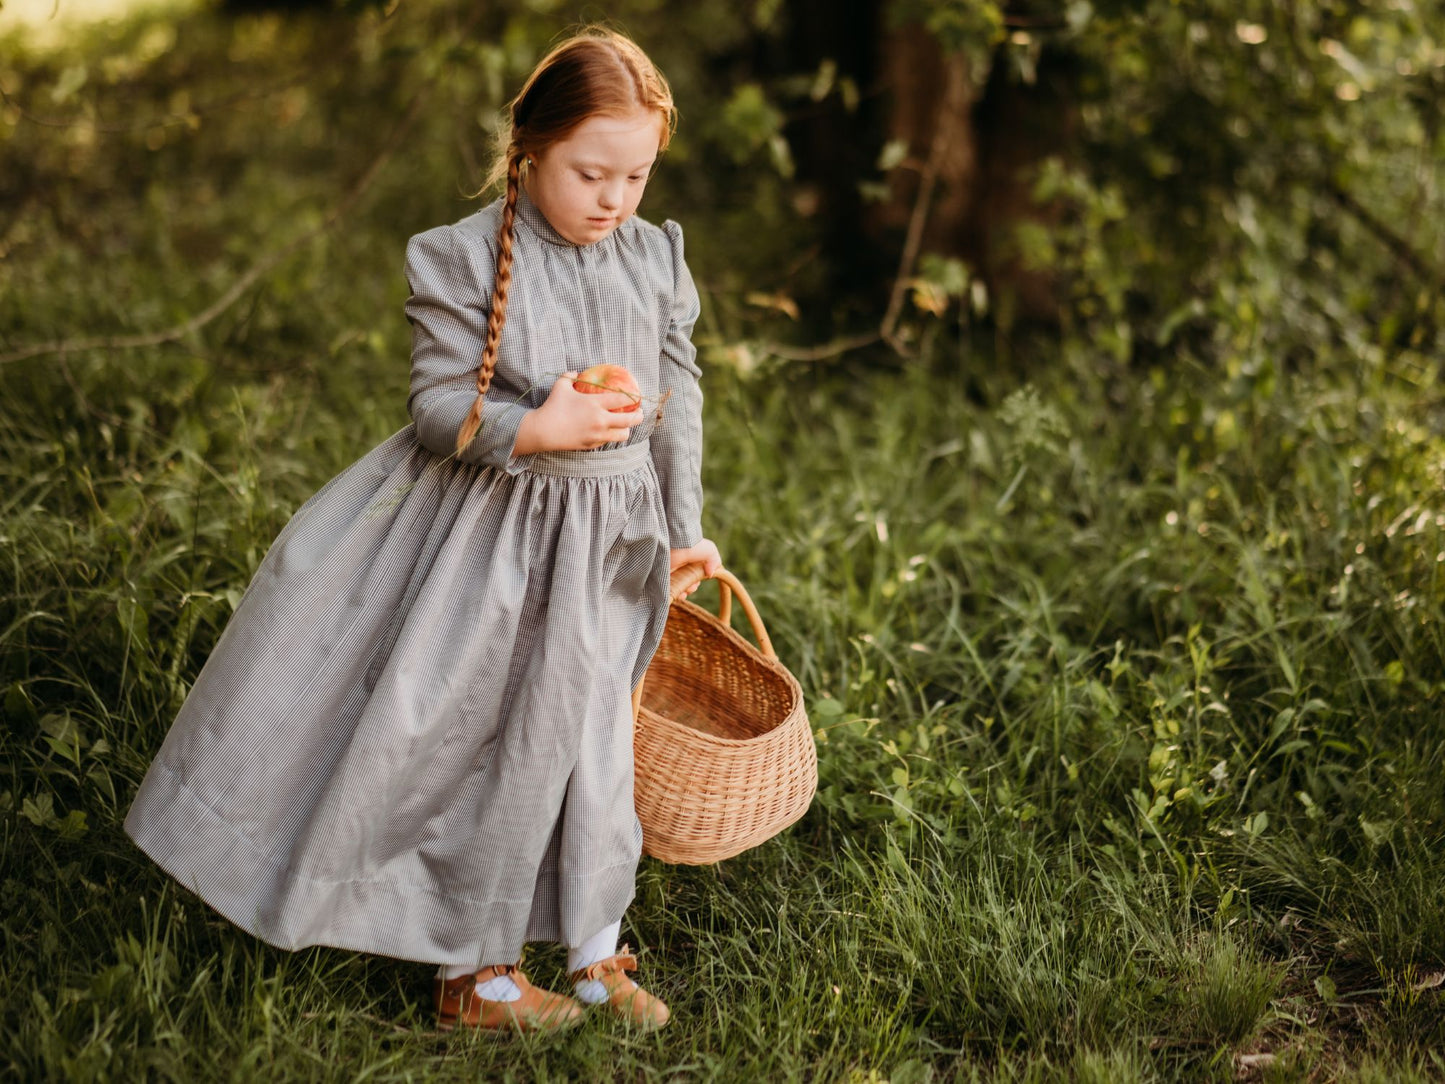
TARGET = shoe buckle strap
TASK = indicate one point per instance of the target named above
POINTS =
(622, 961)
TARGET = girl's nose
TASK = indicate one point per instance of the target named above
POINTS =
(611, 196)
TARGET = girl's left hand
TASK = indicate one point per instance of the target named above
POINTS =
(704, 553)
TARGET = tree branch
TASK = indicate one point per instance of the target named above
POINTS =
(1401, 249)
(913, 240)
(823, 352)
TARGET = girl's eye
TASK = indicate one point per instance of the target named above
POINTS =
(637, 177)
(590, 177)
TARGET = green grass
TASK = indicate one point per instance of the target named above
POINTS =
(1127, 681)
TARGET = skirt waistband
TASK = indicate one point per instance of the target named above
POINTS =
(599, 463)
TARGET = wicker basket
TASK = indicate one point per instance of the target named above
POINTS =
(724, 754)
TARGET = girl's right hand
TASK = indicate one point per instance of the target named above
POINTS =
(571, 420)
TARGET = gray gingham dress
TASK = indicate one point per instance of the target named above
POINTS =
(414, 736)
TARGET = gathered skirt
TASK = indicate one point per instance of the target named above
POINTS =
(414, 736)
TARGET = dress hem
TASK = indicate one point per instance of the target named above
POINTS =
(206, 854)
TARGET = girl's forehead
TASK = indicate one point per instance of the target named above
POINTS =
(634, 136)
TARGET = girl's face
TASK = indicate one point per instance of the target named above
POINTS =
(590, 182)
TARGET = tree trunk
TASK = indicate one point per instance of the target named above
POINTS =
(932, 99)
(986, 145)
(835, 149)
(1016, 126)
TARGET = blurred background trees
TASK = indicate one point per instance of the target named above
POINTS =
(1123, 170)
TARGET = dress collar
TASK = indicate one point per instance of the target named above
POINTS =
(537, 222)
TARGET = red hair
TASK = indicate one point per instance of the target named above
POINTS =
(595, 72)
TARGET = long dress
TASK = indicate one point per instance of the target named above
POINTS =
(414, 736)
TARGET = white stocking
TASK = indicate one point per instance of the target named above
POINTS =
(599, 946)
(497, 988)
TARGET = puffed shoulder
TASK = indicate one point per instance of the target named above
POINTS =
(434, 243)
(479, 229)
(673, 232)
(686, 303)
(458, 256)
(658, 247)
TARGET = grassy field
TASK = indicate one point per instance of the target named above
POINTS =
(1127, 679)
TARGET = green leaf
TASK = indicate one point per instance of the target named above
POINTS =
(71, 80)
(1378, 833)
(749, 121)
(1078, 13)
(40, 810)
(134, 621)
(73, 826)
(18, 707)
(781, 154)
(824, 81)
(893, 153)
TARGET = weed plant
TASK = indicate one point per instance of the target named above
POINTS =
(1127, 680)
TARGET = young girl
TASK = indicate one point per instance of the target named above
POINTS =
(414, 737)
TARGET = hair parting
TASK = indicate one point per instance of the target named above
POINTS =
(595, 72)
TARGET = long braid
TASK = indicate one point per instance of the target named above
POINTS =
(501, 284)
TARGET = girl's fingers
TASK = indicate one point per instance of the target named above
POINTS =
(617, 404)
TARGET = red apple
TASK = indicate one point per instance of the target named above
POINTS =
(599, 378)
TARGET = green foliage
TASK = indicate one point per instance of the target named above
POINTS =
(971, 27)
(750, 122)
(1203, 153)
(1260, 152)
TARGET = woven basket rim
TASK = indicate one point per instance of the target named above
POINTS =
(770, 663)
(648, 717)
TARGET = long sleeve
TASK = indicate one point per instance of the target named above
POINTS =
(451, 295)
(677, 442)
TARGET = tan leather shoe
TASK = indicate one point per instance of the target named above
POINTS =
(625, 997)
(535, 1010)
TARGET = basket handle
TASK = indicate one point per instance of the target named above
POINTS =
(689, 575)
